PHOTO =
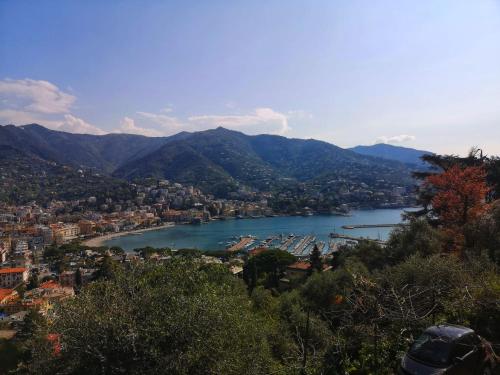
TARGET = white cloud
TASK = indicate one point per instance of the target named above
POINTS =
(35, 96)
(402, 138)
(28, 101)
(74, 124)
(128, 126)
(167, 122)
(16, 117)
(262, 120)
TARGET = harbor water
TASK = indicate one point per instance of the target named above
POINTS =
(217, 235)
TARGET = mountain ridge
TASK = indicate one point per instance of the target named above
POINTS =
(217, 160)
(402, 154)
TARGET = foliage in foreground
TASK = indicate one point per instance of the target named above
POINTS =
(172, 318)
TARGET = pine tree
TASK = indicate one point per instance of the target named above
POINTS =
(315, 259)
(78, 279)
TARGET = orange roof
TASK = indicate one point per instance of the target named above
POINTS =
(51, 284)
(5, 293)
(300, 266)
(12, 270)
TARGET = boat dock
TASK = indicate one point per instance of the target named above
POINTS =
(287, 243)
(352, 238)
(243, 243)
(302, 244)
(362, 226)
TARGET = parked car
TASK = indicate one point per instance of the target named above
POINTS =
(448, 349)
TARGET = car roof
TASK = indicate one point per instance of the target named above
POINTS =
(449, 330)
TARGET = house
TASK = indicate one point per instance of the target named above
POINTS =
(12, 277)
(301, 269)
(7, 295)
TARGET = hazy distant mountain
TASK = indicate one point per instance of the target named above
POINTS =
(390, 152)
(217, 160)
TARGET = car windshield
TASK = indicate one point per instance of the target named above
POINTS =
(431, 349)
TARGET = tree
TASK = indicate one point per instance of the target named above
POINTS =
(107, 268)
(33, 281)
(78, 278)
(116, 250)
(459, 200)
(271, 263)
(315, 259)
(460, 194)
(416, 237)
(174, 318)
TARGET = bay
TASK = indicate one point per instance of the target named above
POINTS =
(215, 235)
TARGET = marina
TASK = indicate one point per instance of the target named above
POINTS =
(284, 232)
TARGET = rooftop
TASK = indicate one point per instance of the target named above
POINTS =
(5, 293)
(12, 270)
(300, 266)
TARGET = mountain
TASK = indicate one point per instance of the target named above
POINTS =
(102, 152)
(263, 161)
(390, 152)
(219, 161)
(25, 177)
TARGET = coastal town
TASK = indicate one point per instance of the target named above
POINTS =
(48, 252)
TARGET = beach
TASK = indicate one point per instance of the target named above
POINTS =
(101, 240)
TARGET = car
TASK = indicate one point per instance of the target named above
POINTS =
(447, 349)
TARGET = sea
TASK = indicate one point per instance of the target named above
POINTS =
(217, 235)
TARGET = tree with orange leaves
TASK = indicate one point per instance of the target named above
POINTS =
(459, 199)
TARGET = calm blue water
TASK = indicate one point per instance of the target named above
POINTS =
(215, 235)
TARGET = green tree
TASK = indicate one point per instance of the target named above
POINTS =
(174, 318)
(78, 279)
(315, 259)
(33, 281)
(107, 268)
(270, 263)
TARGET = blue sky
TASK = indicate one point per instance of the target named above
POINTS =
(422, 74)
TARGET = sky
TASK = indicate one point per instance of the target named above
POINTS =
(422, 74)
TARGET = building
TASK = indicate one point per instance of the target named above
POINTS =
(21, 246)
(3, 254)
(64, 233)
(301, 269)
(5, 247)
(7, 295)
(87, 227)
(12, 277)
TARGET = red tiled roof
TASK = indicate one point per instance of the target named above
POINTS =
(5, 293)
(304, 266)
(12, 270)
(51, 284)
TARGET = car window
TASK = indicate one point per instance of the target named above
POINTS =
(464, 345)
(432, 349)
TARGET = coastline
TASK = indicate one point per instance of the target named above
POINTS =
(99, 240)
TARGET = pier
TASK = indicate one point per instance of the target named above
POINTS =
(362, 226)
(243, 243)
(287, 243)
(352, 238)
(302, 244)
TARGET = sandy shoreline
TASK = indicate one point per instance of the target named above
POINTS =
(99, 240)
